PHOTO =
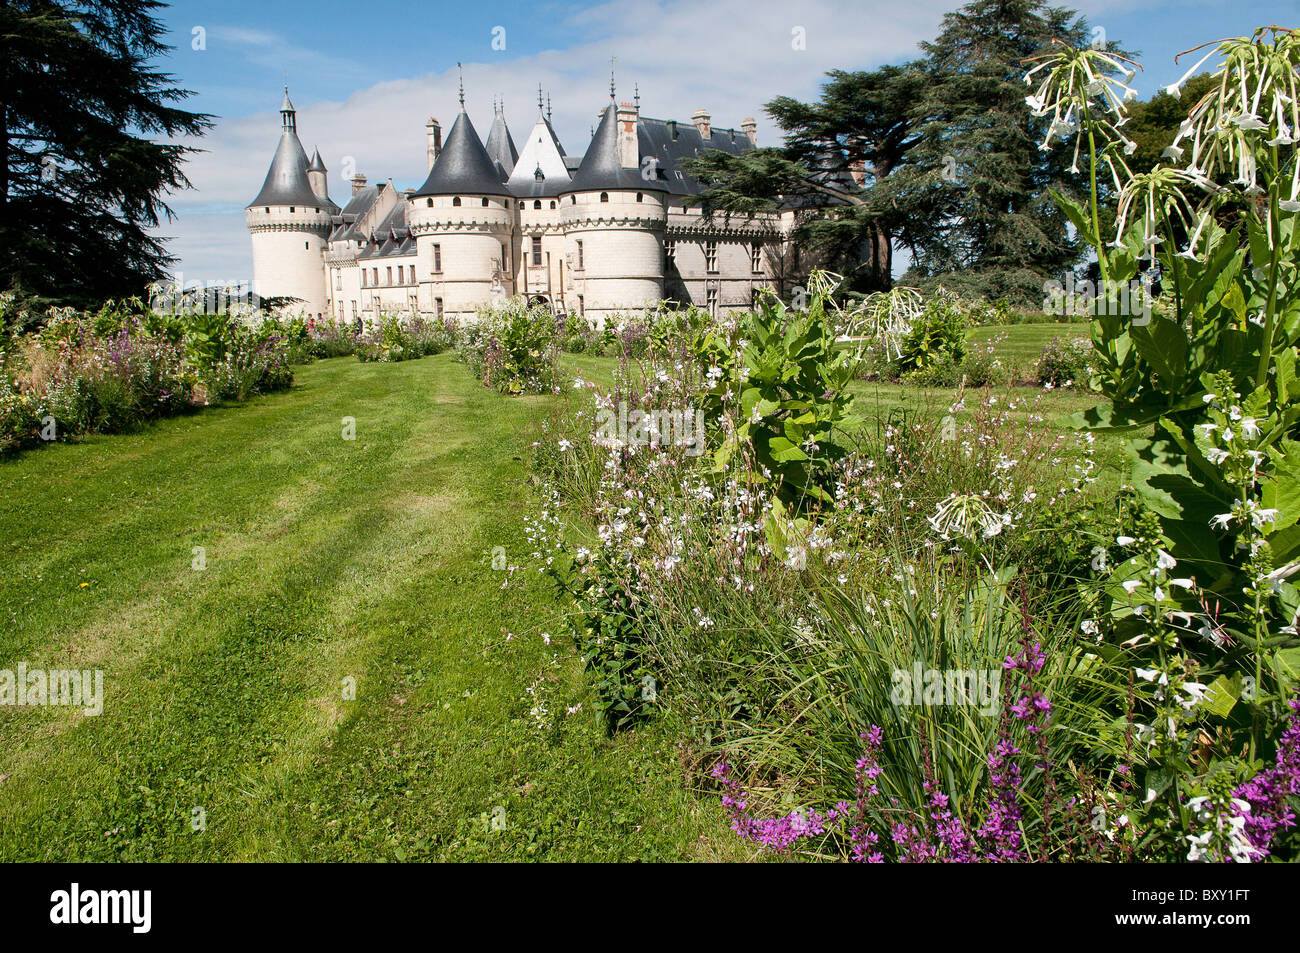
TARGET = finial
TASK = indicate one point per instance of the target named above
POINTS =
(461, 71)
(636, 88)
(539, 97)
(548, 107)
(612, 61)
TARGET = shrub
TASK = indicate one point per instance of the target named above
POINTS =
(513, 348)
(937, 335)
(1066, 362)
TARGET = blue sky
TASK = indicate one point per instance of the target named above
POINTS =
(366, 75)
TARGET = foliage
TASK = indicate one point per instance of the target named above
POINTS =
(394, 339)
(778, 394)
(1065, 362)
(937, 335)
(512, 348)
(90, 148)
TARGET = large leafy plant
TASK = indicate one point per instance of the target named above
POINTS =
(1204, 385)
(776, 397)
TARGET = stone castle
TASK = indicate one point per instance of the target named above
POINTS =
(595, 235)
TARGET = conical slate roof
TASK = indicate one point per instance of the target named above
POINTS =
(601, 167)
(463, 166)
(317, 165)
(286, 181)
(501, 147)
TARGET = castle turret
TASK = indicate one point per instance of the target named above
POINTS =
(318, 175)
(614, 214)
(289, 221)
(462, 219)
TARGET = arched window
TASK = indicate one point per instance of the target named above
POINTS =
(604, 196)
(428, 203)
(485, 201)
(537, 203)
(573, 200)
(639, 196)
(552, 203)
(456, 201)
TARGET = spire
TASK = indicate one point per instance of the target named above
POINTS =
(288, 120)
(603, 167)
(287, 181)
(501, 145)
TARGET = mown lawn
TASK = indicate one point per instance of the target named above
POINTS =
(326, 560)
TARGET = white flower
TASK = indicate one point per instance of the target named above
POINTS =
(565, 446)
(1131, 585)
(1164, 560)
(1249, 427)
(1125, 540)
(1221, 521)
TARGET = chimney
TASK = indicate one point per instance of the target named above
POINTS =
(701, 120)
(358, 183)
(435, 140)
(750, 128)
(629, 155)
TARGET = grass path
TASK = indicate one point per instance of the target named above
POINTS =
(326, 560)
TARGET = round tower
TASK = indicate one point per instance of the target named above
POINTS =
(289, 222)
(614, 214)
(462, 219)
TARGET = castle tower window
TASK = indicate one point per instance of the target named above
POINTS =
(711, 301)
(268, 209)
(456, 201)
(428, 203)
(756, 257)
(292, 209)
(537, 251)
(711, 257)
(604, 197)
(573, 200)
(552, 203)
(437, 258)
(639, 196)
(670, 254)
(307, 245)
(537, 203)
(485, 202)
(579, 243)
